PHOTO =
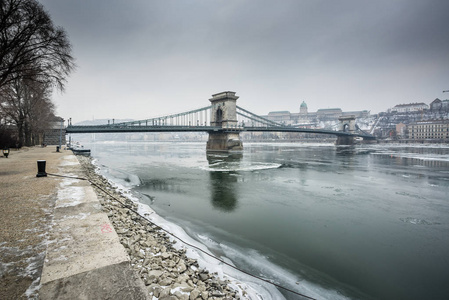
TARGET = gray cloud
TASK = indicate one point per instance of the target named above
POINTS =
(143, 58)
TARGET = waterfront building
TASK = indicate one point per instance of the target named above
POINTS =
(401, 129)
(433, 129)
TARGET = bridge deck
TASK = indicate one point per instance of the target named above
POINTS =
(197, 120)
(168, 128)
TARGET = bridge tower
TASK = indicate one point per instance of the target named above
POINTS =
(347, 124)
(224, 115)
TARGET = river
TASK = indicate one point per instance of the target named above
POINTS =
(364, 222)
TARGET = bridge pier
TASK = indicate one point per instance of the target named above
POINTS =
(224, 142)
(347, 124)
(224, 115)
(344, 140)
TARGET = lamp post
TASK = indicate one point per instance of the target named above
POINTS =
(60, 133)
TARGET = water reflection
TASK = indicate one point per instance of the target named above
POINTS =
(223, 179)
(346, 150)
(161, 185)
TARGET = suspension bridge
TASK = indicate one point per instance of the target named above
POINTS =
(223, 120)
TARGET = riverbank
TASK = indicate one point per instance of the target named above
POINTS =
(52, 244)
(166, 270)
(58, 242)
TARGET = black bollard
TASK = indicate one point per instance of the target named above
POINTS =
(57, 148)
(41, 168)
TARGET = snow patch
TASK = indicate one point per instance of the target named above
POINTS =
(70, 196)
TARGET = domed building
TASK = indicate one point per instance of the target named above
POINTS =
(303, 108)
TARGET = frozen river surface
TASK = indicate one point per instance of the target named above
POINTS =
(370, 222)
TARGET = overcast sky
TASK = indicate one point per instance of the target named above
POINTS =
(143, 58)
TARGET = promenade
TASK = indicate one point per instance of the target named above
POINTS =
(63, 237)
(55, 241)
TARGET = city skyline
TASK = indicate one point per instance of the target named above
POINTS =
(142, 59)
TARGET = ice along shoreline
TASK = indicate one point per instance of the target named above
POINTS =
(167, 267)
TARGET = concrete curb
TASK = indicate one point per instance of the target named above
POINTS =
(84, 258)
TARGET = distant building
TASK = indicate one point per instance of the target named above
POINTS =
(329, 113)
(303, 108)
(410, 107)
(424, 130)
(401, 129)
(357, 113)
(439, 105)
(283, 117)
(55, 132)
(309, 119)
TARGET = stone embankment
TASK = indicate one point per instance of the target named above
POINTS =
(166, 271)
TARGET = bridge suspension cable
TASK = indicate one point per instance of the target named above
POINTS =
(200, 117)
(249, 119)
(361, 130)
(196, 117)
(200, 120)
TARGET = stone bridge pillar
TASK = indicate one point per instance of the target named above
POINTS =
(347, 124)
(224, 115)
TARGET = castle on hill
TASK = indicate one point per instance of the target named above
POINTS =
(306, 118)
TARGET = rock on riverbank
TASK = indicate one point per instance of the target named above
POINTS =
(166, 271)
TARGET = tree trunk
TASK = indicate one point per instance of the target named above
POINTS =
(27, 132)
(20, 132)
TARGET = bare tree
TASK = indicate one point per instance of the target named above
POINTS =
(31, 47)
(26, 103)
(41, 112)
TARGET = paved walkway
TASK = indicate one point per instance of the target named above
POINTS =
(55, 242)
